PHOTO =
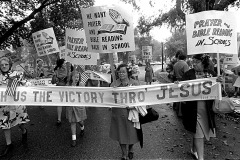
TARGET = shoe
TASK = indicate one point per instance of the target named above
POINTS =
(58, 123)
(24, 137)
(194, 154)
(74, 143)
(82, 133)
(8, 149)
(130, 155)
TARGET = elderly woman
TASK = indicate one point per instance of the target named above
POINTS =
(198, 116)
(11, 116)
(122, 129)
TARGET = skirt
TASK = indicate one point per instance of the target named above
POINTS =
(121, 129)
(76, 114)
(202, 128)
(11, 116)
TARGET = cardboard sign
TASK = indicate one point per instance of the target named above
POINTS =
(99, 76)
(231, 59)
(108, 29)
(77, 49)
(211, 32)
(147, 52)
(45, 42)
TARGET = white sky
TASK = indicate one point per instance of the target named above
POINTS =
(158, 33)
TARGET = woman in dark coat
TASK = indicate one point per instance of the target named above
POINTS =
(122, 129)
(198, 116)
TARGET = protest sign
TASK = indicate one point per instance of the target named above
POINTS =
(211, 32)
(45, 42)
(231, 59)
(200, 89)
(77, 50)
(147, 52)
(62, 52)
(108, 29)
(41, 82)
(99, 76)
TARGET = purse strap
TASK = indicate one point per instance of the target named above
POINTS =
(224, 93)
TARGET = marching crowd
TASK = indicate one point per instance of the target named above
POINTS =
(197, 116)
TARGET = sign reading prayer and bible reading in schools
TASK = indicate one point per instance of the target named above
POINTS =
(200, 89)
(108, 29)
(147, 52)
(77, 49)
(45, 42)
(211, 32)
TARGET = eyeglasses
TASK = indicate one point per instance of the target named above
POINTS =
(122, 72)
(4, 64)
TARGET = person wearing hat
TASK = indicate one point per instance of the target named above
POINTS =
(11, 115)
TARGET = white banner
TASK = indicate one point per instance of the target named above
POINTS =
(108, 29)
(201, 89)
(45, 42)
(211, 32)
(77, 50)
(147, 52)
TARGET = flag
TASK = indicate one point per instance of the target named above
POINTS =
(84, 76)
(12, 86)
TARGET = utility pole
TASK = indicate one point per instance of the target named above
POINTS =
(162, 56)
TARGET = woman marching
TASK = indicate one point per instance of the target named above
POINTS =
(11, 116)
(76, 115)
(123, 130)
(60, 78)
(198, 116)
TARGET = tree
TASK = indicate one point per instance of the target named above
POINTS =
(15, 17)
(175, 18)
(178, 41)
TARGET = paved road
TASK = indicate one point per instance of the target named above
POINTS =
(163, 139)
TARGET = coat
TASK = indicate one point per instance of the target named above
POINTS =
(189, 109)
(122, 129)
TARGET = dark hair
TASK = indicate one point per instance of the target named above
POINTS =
(59, 63)
(182, 56)
(214, 61)
(178, 53)
(129, 72)
(205, 59)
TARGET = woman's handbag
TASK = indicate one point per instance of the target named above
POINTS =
(151, 115)
(223, 106)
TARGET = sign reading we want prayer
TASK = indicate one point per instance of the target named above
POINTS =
(200, 89)
(108, 29)
(211, 32)
(45, 42)
(77, 49)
